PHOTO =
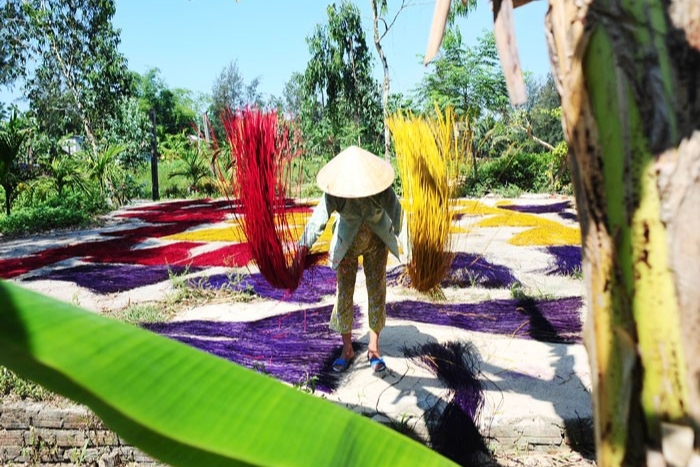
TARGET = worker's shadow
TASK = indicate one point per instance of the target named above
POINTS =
(435, 399)
(446, 427)
(578, 430)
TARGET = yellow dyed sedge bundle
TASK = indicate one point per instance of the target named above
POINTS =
(427, 155)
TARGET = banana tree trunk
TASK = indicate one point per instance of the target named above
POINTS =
(628, 72)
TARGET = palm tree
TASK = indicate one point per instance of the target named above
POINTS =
(13, 134)
(3, 111)
(193, 166)
(105, 169)
(66, 171)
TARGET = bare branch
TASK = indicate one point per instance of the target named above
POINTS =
(404, 5)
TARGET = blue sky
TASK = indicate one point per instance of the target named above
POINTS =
(191, 41)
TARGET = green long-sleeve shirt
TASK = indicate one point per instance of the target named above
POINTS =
(381, 212)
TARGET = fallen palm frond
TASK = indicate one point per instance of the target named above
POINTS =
(427, 153)
(256, 177)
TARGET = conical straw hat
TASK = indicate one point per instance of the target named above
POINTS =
(355, 173)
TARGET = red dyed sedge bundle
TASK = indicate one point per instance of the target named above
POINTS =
(257, 176)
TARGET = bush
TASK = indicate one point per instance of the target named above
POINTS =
(168, 187)
(71, 210)
(510, 175)
(559, 173)
(132, 188)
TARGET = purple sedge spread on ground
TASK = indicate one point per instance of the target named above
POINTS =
(500, 249)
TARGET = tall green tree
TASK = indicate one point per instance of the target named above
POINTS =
(539, 120)
(382, 22)
(13, 42)
(532, 127)
(80, 75)
(173, 107)
(342, 103)
(544, 106)
(469, 79)
(3, 112)
(131, 129)
(381, 27)
(230, 91)
(292, 96)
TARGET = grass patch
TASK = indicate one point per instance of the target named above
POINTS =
(519, 292)
(141, 313)
(192, 291)
(577, 273)
(14, 387)
(186, 293)
(71, 211)
(167, 187)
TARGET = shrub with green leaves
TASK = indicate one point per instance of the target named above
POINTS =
(512, 174)
(71, 210)
(168, 187)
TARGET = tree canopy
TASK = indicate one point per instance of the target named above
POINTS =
(230, 91)
(80, 75)
(341, 103)
(469, 79)
(13, 41)
(174, 108)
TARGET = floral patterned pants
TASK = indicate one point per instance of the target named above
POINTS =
(374, 259)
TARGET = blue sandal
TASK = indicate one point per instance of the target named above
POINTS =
(377, 364)
(340, 364)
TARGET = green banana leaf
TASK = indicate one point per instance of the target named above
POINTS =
(181, 405)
